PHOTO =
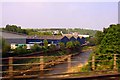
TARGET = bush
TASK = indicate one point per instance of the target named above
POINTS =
(52, 47)
(62, 45)
(35, 48)
(19, 51)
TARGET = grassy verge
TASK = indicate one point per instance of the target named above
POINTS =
(86, 48)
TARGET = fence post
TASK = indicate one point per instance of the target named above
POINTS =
(41, 66)
(69, 61)
(115, 64)
(93, 62)
(11, 68)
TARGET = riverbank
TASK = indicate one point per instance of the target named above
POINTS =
(83, 61)
(76, 60)
(85, 50)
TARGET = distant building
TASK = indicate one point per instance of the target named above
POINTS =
(14, 39)
(64, 39)
(84, 35)
(68, 35)
(78, 39)
(75, 33)
(81, 40)
(56, 32)
(40, 40)
(73, 38)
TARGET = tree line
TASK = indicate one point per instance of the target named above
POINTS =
(14, 28)
(107, 42)
(109, 39)
(31, 32)
(39, 32)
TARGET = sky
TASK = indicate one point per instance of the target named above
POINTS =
(88, 15)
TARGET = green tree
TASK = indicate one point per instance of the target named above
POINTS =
(92, 41)
(35, 48)
(19, 30)
(45, 43)
(76, 47)
(99, 36)
(7, 27)
(111, 41)
(14, 28)
(76, 43)
(52, 47)
(20, 51)
(24, 31)
(110, 44)
(62, 45)
(69, 44)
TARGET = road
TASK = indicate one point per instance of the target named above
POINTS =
(81, 58)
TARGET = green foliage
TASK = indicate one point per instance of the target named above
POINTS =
(76, 43)
(45, 43)
(35, 48)
(52, 47)
(20, 51)
(61, 53)
(110, 44)
(62, 45)
(92, 41)
(14, 28)
(69, 44)
(99, 36)
(44, 49)
(40, 33)
(80, 31)
(111, 41)
(86, 68)
(73, 46)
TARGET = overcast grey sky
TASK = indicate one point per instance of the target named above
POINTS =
(92, 15)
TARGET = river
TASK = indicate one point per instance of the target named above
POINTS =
(76, 60)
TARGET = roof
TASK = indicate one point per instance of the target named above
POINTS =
(53, 37)
(84, 35)
(45, 37)
(8, 35)
(72, 38)
(70, 35)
